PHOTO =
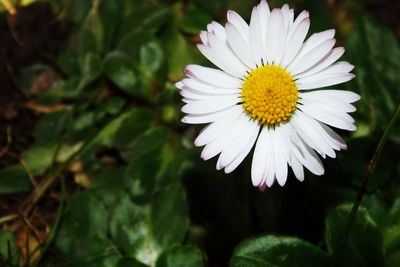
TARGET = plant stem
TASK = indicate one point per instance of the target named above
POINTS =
(362, 190)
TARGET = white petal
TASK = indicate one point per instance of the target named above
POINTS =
(341, 67)
(213, 130)
(203, 37)
(239, 23)
(195, 94)
(325, 99)
(218, 30)
(346, 96)
(238, 144)
(191, 95)
(223, 51)
(291, 20)
(303, 15)
(307, 157)
(269, 173)
(179, 85)
(318, 81)
(209, 117)
(329, 116)
(286, 17)
(296, 41)
(239, 46)
(219, 144)
(222, 57)
(314, 41)
(307, 129)
(201, 87)
(329, 59)
(311, 58)
(232, 166)
(212, 76)
(211, 105)
(264, 12)
(280, 163)
(259, 157)
(297, 168)
(275, 39)
(334, 136)
(256, 44)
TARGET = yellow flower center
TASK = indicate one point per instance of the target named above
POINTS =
(269, 95)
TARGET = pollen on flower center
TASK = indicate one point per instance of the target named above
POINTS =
(269, 95)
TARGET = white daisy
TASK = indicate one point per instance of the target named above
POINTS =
(263, 94)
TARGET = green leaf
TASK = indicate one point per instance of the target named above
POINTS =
(120, 69)
(8, 249)
(181, 256)
(374, 50)
(83, 232)
(364, 245)
(130, 262)
(14, 179)
(90, 68)
(146, 16)
(195, 20)
(132, 42)
(129, 228)
(169, 216)
(274, 251)
(151, 56)
(39, 157)
(126, 127)
(391, 228)
(180, 52)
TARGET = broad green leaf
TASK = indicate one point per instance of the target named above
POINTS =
(39, 157)
(180, 256)
(146, 16)
(143, 231)
(180, 52)
(364, 245)
(375, 52)
(130, 262)
(14, 179)
(195, 20)
(110, 13)
(274, 251)
(48, 131)
(391, 228)
(169, 216)
(151, 57)
(132, 42)
(90, 68)
(79, 9)
(129, 227)
(83, 233)
(8, 249)
(120, 69)
(126, 127)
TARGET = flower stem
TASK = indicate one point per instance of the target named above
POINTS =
(361, 191)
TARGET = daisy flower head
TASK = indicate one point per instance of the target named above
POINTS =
(265, 94)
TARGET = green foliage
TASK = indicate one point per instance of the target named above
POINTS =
(8, 249)
(180, 256)
(375, 52)
(112, 116)
(268, 251)
(14, 179)
(365, 243)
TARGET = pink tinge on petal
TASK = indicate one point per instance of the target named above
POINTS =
(262, 187)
